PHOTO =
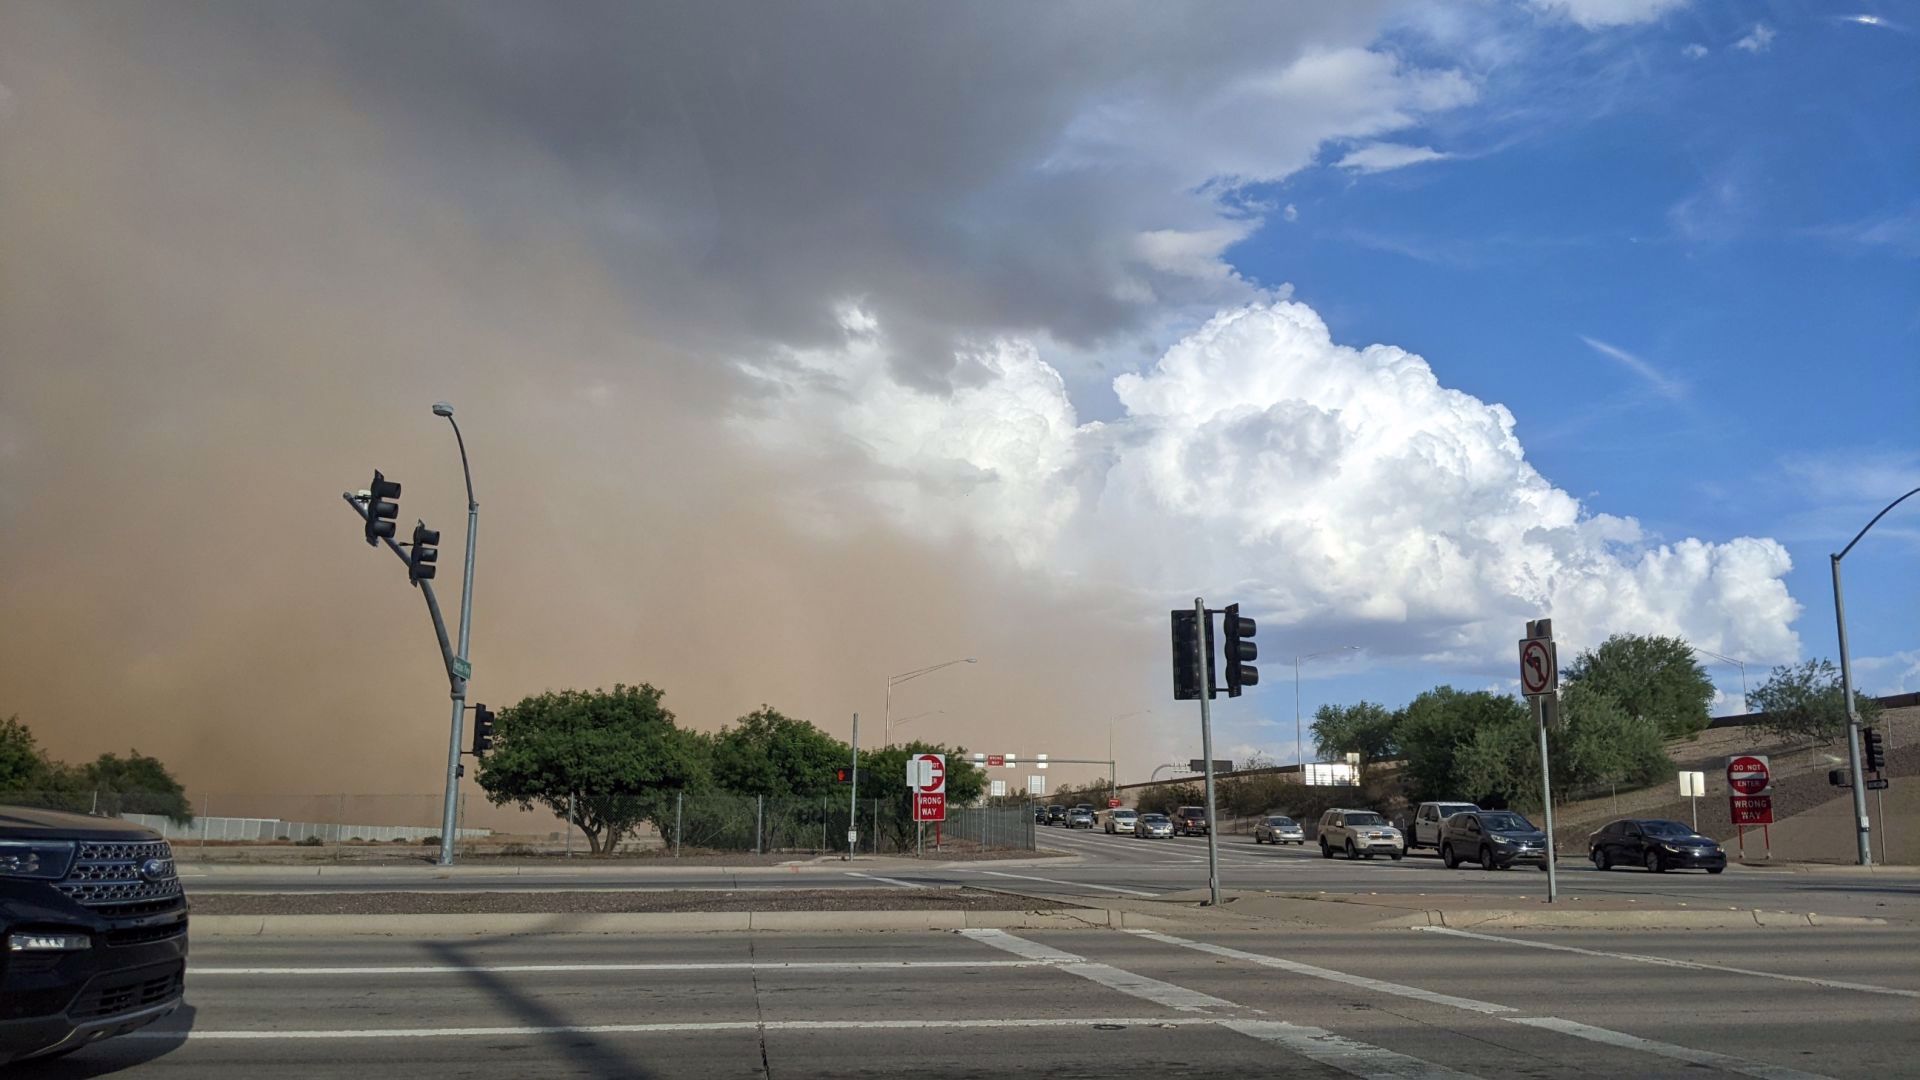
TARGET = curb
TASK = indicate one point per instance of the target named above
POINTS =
(1624, 920)
(708, 922)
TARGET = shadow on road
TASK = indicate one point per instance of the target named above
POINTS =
(592, 1055)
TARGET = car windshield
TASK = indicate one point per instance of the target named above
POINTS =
(1192, 811)
(1503, 821)
(1671, 830)
(1123, 813)
(1153, 819)
(1450, 809)
(1279, 821)
(1365, 819)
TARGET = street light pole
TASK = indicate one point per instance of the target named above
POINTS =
(1741, 664)
(1863, 828)
(449, 810)
(886, 726)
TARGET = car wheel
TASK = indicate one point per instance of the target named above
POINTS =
(1446, 857)
(1600, 860)
(1654, 864)
(1398, 855)
(1352, 852)
(1325, 851)
(1715, 869)
(1486, 858)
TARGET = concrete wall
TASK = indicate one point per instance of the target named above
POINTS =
(258, 829)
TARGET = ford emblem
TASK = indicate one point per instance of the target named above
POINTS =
(153, 869)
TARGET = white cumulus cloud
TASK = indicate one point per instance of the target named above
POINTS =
(1322, 484)
(1596, 14)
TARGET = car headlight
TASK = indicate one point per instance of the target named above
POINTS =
(1671, 847)
(46, 860)
(1498, 839)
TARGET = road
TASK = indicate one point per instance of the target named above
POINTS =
(1806, 1004)
(1120, 866)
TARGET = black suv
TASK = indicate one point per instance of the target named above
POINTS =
(93, 930)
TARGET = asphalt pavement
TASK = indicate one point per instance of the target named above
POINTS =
(1777, 1004)
(1116, 867)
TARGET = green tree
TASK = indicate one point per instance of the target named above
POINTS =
(615, 756)
(136, 784)
(23, 765)
(1649, 676)
(768, 753)
(1364, 728)
(1439, 736)
(1805, 701)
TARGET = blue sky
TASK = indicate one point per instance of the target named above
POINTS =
(1694, 279)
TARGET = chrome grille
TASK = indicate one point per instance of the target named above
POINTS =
(108, 874)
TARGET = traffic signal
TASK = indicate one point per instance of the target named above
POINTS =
(1240, 648)
(381, 509)
(843, 775)
(482, 730)
(1188, 646)
(1873, 748)
(423, 554)
(1838, 778)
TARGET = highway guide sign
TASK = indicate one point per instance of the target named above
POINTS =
(1536, 667)
(927, 786)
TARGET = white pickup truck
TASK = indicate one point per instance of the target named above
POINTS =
(1425, 832)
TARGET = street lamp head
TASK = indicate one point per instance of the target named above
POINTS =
(971, 660)
(443, 408)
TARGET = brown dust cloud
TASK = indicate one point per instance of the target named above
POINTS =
(232, 282)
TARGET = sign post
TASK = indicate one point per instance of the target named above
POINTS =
(1692, 786)
(1750, 797)
(1539, 680)
(853, 792)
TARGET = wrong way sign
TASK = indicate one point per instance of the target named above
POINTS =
(927, 779)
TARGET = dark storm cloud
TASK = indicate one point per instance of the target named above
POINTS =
(243, 246)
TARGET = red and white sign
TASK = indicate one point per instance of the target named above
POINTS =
(1751, 809)
(1536, 667)
(1113, 804)
(1747, 774)
(996, 761)
(927, 776)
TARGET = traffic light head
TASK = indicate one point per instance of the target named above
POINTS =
(482, 730)
(422, 556)
(1873, 748)
(1240, 649)
(1191, 642)
(381, 507)
(843, 775)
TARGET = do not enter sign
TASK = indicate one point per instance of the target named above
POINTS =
(1748, 774)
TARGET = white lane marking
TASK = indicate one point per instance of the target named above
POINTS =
(1758, 1069)
(1836, 984)
(1140, 986)
(1727, 1062)
(888, 880)
(1071, 884)
(1347, 1055)
(670, 1028)
(1311, 971)
(458, 969)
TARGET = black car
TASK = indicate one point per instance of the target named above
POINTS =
(1656, 844)
(1056, 815)
(95, 930)
(1496, 839)
(1039, 815)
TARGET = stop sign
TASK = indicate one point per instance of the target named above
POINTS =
(1747, 774)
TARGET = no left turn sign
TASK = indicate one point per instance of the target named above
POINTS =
(1536, 667)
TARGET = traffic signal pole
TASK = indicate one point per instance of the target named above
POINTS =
(1206, 746)
(448, 820)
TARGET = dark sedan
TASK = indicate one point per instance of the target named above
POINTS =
(1496, 839)
(1056, 815)
(1655, 844)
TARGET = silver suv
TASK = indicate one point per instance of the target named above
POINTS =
(1359, 833)
(1428, 819)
